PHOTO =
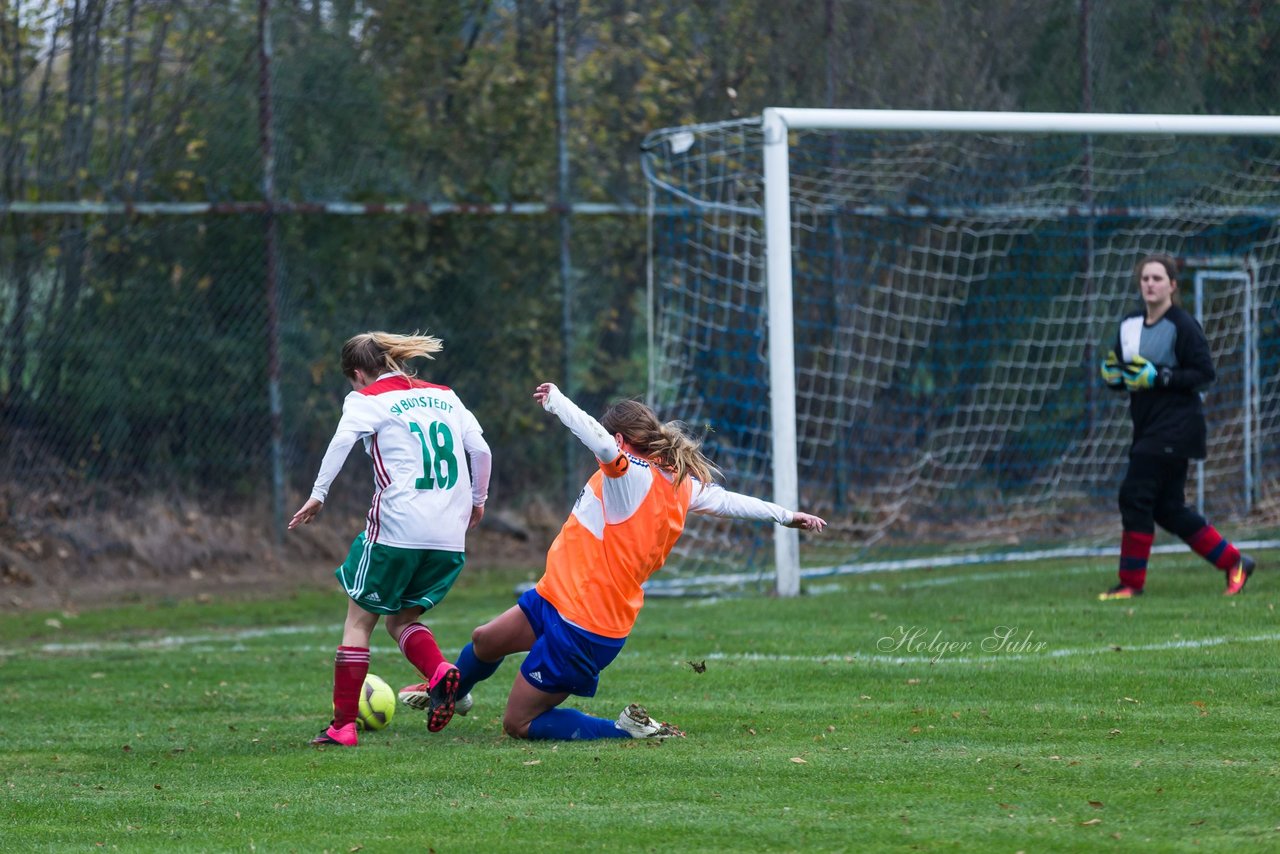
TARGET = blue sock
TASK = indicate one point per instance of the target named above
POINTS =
(572, 725)
(472, 670)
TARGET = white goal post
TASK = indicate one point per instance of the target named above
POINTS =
(957, 271)
(778, 121)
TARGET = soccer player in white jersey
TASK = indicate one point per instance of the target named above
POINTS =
(431, 469)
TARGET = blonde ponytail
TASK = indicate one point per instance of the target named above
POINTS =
(380, 352)
(671, 445)
(683, 454)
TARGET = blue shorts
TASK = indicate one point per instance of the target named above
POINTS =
(564, 658)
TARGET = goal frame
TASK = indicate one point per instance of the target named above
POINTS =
(777, 122)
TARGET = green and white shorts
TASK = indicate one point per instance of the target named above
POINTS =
(386, 579)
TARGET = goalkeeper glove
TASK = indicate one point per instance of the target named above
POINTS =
(1112, 372)
(1140, 375)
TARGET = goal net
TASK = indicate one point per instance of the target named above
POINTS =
(914, 355)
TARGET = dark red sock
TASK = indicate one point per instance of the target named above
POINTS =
(420, 647)
(350, 666)
(1135, 549)
(1211, 546)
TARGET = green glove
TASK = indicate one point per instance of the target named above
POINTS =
(1111, 370)
(1140, 375)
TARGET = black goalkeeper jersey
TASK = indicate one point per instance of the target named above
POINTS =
(1168, 420)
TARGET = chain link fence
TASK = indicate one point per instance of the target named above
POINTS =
(201, 202)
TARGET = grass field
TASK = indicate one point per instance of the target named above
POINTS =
(993, 709)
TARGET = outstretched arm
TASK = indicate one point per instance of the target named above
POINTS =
(714, 500)
(806, 522)
(588, 430)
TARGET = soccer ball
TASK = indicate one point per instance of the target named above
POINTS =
(377, 704)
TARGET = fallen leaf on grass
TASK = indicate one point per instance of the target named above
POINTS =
(798, 760)
(1097, 805)
(1091, 822)
(532, 762)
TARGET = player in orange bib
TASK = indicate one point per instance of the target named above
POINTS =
(624, 524)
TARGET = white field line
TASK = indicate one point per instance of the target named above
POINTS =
(171, 642)
(940, 581)
(675, 586)
(927, 656)
(823, 589)
(938, 653)
(237, 638)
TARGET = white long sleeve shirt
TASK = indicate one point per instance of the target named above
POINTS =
(623, 495)
(431, 464)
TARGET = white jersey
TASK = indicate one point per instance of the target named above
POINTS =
(431, 463)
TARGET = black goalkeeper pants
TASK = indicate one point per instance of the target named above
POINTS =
(1154, 493)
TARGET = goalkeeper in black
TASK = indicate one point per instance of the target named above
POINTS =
(1161, 357)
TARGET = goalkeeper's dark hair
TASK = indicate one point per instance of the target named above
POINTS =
(671, 445)
(380, 352)
(1169, 263)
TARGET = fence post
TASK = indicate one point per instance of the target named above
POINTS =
(271, 250)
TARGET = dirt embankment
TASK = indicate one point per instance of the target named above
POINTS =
(63, 551)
